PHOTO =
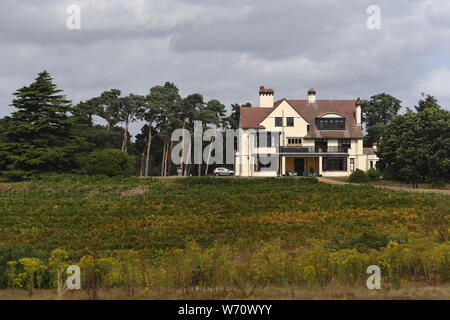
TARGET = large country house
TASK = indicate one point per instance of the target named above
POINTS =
(305, 137)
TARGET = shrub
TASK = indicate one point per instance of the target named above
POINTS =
(110, 162)
(367, 240)
(358, 176)
(374, 174)
(438, 185)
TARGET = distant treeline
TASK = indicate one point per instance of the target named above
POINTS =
(47, 134)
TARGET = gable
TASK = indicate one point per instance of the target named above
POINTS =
(284, 110)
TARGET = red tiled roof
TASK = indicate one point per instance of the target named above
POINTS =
(252, 117)
(368, 150)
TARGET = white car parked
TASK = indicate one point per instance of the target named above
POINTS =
(223, 172)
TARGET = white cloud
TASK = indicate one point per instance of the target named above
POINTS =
(436, 83)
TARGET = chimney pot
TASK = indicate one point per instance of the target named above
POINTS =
(311, 96)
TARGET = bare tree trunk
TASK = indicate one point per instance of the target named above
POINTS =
(170, 158)
(125, 137)
(108, 126)
(199, 173)
(142, 164)
(189, 154)
(182, 145)
(163, 159)
(149, 144)
(167, 159)
(209, 153)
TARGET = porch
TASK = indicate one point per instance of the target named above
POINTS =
(302, 166)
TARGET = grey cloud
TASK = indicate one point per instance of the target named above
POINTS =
(226, 49)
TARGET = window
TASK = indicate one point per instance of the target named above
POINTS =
(352, 164)
(321, 145)
(330, 123)
(289, 122)
(371, 164)
(265, 139)
(278, 122)
(334, 164)
(307, 128)
(294, 141)
(345, 143)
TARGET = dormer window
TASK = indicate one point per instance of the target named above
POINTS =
(330, 123)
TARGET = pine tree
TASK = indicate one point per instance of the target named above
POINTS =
(39, 136)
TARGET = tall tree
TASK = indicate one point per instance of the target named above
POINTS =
(232, 121)
(376, 114)
(187, 108)
(108, 105)
(416, 146)
(160, 101)
(130, 108)
(39, 136)
(84, 112)
(217, 110)
(207, 114)
(3, 152)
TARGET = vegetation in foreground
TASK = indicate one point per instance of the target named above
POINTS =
(225, 238)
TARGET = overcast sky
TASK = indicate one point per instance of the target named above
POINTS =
(226, 49)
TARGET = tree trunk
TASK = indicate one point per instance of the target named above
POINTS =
(149, 144)
(163, 159)
(199, 173)
(142, 164)
(209, 153)
(125, 137)
(167, 160)
(189, 154)
(170, 158)
(182, 146)
(108, 126)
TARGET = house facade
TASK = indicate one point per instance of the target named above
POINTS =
(301, 137)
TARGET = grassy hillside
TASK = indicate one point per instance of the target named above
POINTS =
(240, 234)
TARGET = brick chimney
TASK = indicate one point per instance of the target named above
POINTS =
(266, 97)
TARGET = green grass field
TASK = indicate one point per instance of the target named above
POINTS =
(225, 237)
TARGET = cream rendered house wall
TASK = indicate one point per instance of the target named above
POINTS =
(245, 164)
(299, 130)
